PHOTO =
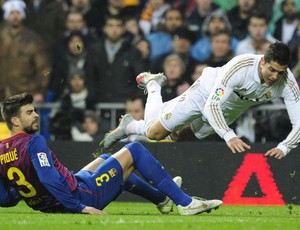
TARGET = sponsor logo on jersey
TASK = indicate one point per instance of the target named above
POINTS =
(219, 92)
(113, 172)
(43, 159)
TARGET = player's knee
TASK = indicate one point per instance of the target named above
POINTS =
(136, 148)
(156, 131)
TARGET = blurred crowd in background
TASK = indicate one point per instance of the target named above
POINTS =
(85, 52)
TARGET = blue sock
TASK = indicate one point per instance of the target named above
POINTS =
(154, 173)
(137, 186)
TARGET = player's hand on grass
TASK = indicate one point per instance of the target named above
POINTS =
(92, 210)
(275, 152)
(237, 145)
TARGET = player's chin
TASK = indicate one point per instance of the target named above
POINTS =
(35, 127)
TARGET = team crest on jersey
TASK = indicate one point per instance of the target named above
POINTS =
(268, 94)
(43, 159)
(168, 116)
(113, 172)
(219, 92)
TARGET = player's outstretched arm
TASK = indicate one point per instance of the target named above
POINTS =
(276, 153)
(237, 145)
(92, 210)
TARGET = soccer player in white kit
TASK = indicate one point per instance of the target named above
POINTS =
(218, 98)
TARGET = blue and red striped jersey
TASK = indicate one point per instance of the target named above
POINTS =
(29, 166)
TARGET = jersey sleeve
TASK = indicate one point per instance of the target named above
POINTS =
(9, 197)
(48, 175)
(222, 89)
(291, 97)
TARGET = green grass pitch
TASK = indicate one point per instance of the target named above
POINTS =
(126, 215)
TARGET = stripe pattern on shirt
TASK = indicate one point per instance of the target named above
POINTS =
(234, 69)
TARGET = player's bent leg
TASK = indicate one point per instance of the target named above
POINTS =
(124, 157)
(156, 131)
(153, 171)
(166, 206)
(92, 166)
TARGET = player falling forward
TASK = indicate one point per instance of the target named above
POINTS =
(29, 170)
(217, 99)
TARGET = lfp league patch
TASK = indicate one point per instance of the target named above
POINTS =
(219, 92)
(43, 159)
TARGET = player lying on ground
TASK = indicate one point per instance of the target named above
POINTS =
(29, 170)
(216, 99)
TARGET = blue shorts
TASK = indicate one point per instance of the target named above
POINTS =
(99, 188)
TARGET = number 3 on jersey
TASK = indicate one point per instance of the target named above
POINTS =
(103, 178)
(11, 174)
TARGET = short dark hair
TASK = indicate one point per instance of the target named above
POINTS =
(114, 17)
(259, 15)
(11, 107)
(135, 97)
(278, 52)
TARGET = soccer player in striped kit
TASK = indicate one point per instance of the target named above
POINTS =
(29, 170)
(216, 99)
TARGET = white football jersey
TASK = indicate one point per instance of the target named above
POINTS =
(236, 86)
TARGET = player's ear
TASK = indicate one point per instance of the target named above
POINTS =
(15, 121)
(262, 60)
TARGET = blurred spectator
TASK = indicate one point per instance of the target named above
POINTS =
(277, 13)
(24, 64)
(69, 58)
(265, 6)
(113, 64)
(174, 70)
(116, 8)
(161, 40)
(46, 17)
(74, 101)
(143, 46)
(238, 17)
(227, 4)
(185, 6)
(199, 67)
(258, 31)
(90, 14)
(152, 15)
(288, 22)
(75, 22)
(88, 129)
(220, 49)
(181, 44)
(132, 29)
(135, 105)
(216, 21)
(262, 46)
(75, 98)
(202, 9)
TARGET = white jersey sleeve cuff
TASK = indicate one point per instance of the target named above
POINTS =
(283, 148)
(229, 135)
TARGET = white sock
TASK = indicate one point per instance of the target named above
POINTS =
(154, 103)
(136, 127)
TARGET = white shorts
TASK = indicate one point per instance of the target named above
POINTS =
(183, 109)
(187, 109)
